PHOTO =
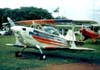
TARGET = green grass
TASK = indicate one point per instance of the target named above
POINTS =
(8, 61)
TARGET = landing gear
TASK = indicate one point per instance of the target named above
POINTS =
(42, 57)
(18, 54)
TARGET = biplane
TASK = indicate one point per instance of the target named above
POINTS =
(45, 37)
(91, 32)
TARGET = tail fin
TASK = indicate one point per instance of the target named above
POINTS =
(11, 21)
(13, 24)
(70, 36)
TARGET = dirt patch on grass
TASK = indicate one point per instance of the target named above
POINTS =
(72, 66)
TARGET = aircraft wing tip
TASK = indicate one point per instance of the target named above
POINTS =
(81, 48)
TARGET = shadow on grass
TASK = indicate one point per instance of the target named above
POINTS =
(54, 55)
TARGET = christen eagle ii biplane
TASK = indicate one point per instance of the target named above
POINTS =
(44, 38)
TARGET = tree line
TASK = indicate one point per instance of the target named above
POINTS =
(24, 13)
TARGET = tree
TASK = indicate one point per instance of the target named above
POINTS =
(1, 18)
(24, 13)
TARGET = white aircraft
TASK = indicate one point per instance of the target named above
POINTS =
(44, 38)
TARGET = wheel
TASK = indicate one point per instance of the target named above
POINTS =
(42, 57)
(18, 54)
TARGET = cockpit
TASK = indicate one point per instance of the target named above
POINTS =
(51, 30)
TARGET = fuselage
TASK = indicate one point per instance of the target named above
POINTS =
(32, 36)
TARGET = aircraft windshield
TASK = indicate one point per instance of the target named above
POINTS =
(50, 30)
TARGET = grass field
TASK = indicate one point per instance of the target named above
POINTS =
(8, 61)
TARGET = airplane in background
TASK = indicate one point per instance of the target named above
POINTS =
(45, 37)
(92, 32)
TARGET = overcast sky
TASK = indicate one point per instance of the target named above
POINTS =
(72, 9)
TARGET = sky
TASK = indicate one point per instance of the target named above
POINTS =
(72, 9)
